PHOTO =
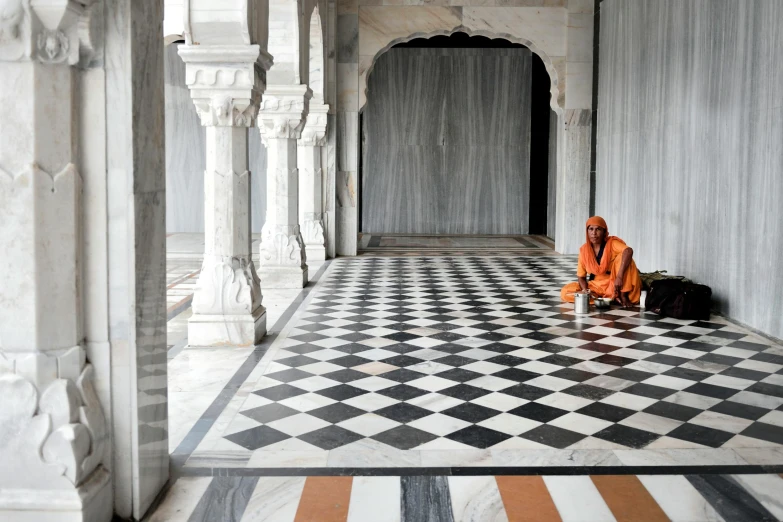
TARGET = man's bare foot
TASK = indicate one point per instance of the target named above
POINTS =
(624, 301)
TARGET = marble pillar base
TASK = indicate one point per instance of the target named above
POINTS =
(284, 276)
(227, 330)
(90, 502)
(315, 252)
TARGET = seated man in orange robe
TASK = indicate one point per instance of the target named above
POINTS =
(606, 267)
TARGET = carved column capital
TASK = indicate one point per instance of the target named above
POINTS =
(314, 132)
(226, 82)
(284, 111)
(51, 32)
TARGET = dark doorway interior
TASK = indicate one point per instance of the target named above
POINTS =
(539, 124)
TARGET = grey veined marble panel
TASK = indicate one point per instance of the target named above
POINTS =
(690, 144)
(186, 157)
(447, 142)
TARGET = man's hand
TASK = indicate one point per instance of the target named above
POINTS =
(618, 284)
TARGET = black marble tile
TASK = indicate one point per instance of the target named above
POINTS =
(402, 361)
(425, 499)
(626, 436)
(289, 375)
(460, 375)
(516, 374)
(225, 499)
(342, 392)
(269, 413)
(526, 391)
(403, 375)
(478, 436)
(560, 360)
(744, 411)
(470, 412)
(767, 389)
(648, 390)
(349, 361)
(256, 438)
(403, 412)
(538, 412)
(701, 435)
(304, 348)
(573, 375)
(280, 392)
(404, 437)
(729, 499)
(553, 436)
(606, 412)
(402, 392)
(628, 374)
(763, 431)
(336, 412)
(710, 390)
(330, 437)
(297, 360)
(345, 376)
(587, 391)
(688, 374)
(464, 392)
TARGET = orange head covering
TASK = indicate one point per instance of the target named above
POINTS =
(587, 254)
(596, 221)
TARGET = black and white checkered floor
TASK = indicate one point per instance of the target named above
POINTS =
(478, 352)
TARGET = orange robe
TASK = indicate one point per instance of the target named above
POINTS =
(605, 274)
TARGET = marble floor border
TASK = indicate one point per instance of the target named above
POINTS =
(468, 471)
(199, 430)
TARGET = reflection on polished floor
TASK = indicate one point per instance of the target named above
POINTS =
(454, 379)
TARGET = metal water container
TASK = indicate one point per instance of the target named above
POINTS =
(581, 303)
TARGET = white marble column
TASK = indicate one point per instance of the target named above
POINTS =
(226, 88)
(53, 434)
(311, 211)
(281, 119)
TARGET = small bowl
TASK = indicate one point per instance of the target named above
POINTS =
(602, 302)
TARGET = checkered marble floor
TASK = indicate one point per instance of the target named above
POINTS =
(475, 353)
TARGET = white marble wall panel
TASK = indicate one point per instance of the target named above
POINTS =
(136, 203)
(552, 177)
(186, 157)
(690, 144)
(447, 142)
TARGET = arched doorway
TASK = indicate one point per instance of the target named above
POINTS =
(455, 139)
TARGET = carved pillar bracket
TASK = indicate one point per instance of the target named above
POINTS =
(226, 83)
(310, 148)
(281, 120)
(53, 434)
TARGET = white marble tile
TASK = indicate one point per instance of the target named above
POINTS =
(554, 457)
(766, 489)
(439, 424)
(371, 453)
(577, 499)
(476, 499)
(274, 499)
(375, 498)
(679, 499)
(680, 457)
(580, 423)
(288, 458)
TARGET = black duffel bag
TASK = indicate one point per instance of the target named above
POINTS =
(678, 299)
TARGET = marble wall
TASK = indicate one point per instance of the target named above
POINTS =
(560, 31)
(186, 157)
(136, 201)
(690, 144)
(551, 199)
(447, 142)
